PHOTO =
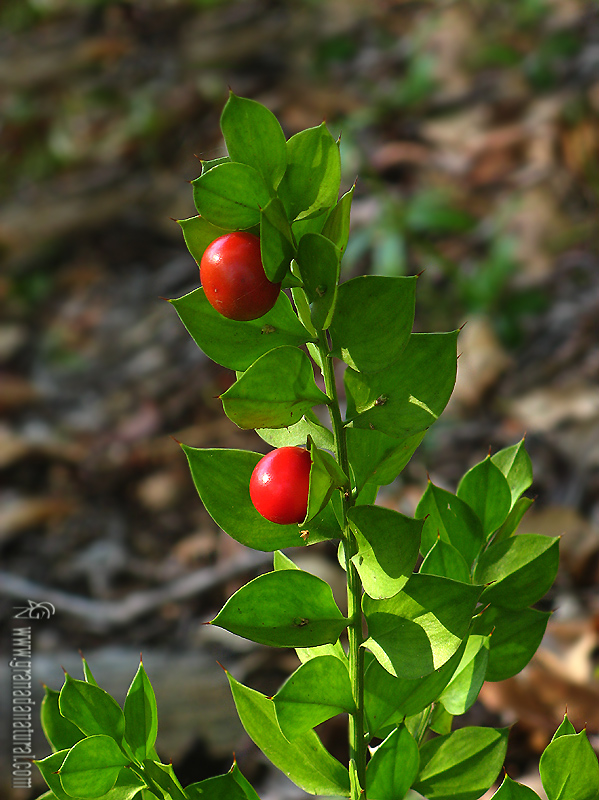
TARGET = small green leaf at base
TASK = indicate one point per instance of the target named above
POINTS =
(59, 731)
(92, 767)
(305, 761)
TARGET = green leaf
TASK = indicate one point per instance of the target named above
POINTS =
(336, 227)
(141, 715)
(286, 608)
(276, 241)
(410, 395)
(373, 320)
(213, 162)
(388, 699)
(92, 767)
(49, 769)
(515, 464)
(222, 479)
(164, 776)
(451, 519)
(488, 494)
(388, 544)
(393, 767)
(441, 721)
(510, 790)
(516, 635)
(520, 569)
(280, 561)
(510, 526)
(443, 559)
(318, 261)
(461, 765)
(463, 689)
(307, 653)
(274, 392)
(59, 731)
(325, 476)
(378, 458)
(317, 690)
(565, 728)
(231, 786)
(127, 786)
(569, 768)
(253, 136)
(297, 434)
(92, 709)
(420, 628)
(230, 196)
(311, 181)
(233, 344)
(305, 761)
(87, 673)
(198, 233)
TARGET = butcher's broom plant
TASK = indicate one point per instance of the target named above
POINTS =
(334, 381)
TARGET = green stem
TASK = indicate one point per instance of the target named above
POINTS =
(357, 744)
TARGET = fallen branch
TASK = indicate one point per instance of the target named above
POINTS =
(105, 614)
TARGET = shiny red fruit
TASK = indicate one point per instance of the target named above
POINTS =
(279, 485)
(233, 277)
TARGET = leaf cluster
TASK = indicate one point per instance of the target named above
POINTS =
(446, 596)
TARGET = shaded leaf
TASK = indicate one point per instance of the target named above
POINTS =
(451, 519)
(410, 395)
(515, 638)
(521, 569)
(318, 262)
(311, 181)
(388, 545)
(461, 765)
(488, 494)
(373, 320)
(419, 629)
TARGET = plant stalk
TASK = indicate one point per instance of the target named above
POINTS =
(357, 744)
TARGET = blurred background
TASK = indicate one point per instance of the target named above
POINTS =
(473, 130)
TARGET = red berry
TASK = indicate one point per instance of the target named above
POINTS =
(279, 485)
(233, 277)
